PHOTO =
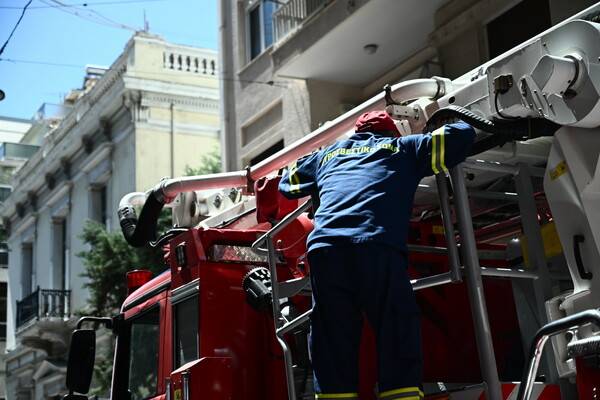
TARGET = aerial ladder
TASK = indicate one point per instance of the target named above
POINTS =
(544, 92)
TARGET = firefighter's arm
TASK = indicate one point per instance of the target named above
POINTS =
(445, 147)
(299, 180)
(457, 141)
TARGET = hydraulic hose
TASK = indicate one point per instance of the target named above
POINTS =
(500, 131)
(592, 17)
(139, 233)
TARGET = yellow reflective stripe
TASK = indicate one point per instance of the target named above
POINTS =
(443, 151)
(438, 151)
(337, 396)
(434, 153)
(409, 393)
(294, 180)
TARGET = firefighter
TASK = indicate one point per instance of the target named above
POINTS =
(364, 187)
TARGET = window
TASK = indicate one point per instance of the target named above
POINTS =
(186, 330)
(3, 290)
(143, 355)
(4, 191)
(516, 25)
(98, 202)
(27, 271)
(259, 20)
(267, 153)
(59, 254)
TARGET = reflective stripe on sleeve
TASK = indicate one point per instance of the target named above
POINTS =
(339, 396)
(409, 393)
(294, 180)
(438, 151)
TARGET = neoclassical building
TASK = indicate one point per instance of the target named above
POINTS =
(151, 114)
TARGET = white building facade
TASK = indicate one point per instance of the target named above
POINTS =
(151, 114)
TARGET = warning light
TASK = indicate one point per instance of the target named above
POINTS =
(136, 279)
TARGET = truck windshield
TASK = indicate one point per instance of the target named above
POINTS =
(143, 355)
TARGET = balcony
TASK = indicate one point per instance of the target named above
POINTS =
(43, 304)
(290, 16)
(184, 60)
(349, 43)
(15, 154)
(17, 150)
(49, 111)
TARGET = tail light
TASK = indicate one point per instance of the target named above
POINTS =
(136, 279)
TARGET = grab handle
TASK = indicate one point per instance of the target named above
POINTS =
(577, 240)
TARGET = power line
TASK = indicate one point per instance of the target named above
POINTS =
(84, 4)
(15, 28)
(93, 15)
(41, 63)
(88, 14)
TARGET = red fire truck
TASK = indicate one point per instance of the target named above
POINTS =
(497, 272)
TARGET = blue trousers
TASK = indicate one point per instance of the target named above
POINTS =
(348, 280)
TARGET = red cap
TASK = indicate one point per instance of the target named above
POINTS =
(375, 121)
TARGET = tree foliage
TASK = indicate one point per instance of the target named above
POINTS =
(6, 174)
(108, 260)
(109, 257)
(210, 163)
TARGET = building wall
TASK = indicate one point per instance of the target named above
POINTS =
(13, 129)
(458, 42)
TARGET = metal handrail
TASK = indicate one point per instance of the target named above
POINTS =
(489, 370)
(279, 226)
(455, 274)
(540, 339)
(473, 271)
(474, 282)
(281, 325)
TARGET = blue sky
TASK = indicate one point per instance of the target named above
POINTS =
(55, 40)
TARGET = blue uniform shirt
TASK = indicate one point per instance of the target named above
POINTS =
(366, 183)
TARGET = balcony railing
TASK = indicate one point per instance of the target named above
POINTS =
(177, 60)
(288, 17)
(50, 111)
(17, 150)
(44, 304)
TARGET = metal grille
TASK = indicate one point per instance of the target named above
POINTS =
(233, 253)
